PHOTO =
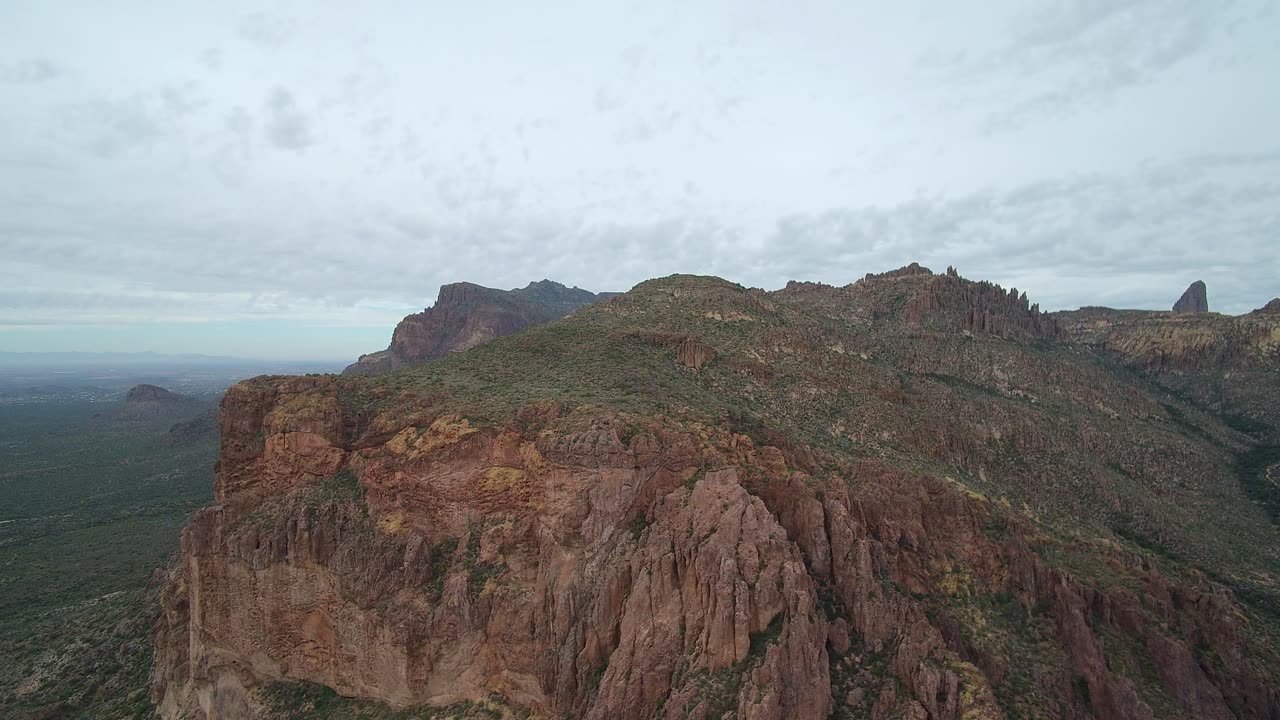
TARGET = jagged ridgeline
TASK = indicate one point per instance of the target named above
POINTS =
(915, 496)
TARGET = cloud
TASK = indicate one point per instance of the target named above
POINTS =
(287, 127)
(30, 72)
(266, 31)
(234, 152)
(116, 126)
(211, 58)
(182, 100)
(108, 128)
(757, 148)
(1067, 241)
(1065, 56)
(1128, 39)
(606, 101)
(1073, 241)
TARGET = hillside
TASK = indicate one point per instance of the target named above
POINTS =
(465, 315)
(1226, 364)
(913, 496)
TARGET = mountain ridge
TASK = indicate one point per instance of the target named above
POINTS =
(915, 495)
(466, 314)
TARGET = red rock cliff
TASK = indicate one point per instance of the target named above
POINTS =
(682, 573)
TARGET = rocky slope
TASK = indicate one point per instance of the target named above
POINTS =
(1225, 363)
(466, 315)
(910, 497)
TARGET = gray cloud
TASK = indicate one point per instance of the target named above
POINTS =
(287, 127)
(1080, 54)
(1128, 240)
(30, 71)
(109, 127)
(211, 58)
(606, 101)
(265, 31)
(1068, 242)
(1085, 152)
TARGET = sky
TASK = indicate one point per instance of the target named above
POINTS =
(288, 183)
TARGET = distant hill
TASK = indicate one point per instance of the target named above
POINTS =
(145, 393)
(466, 315)
(152, 402)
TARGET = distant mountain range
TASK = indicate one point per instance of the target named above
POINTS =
(22, 359)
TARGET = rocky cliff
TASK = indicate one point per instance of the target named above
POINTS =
(909, 497)
(466, 315)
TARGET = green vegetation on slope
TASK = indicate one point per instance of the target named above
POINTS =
(838, 371)
(90, 507)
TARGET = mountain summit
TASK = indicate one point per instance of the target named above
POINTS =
(914, 496)
(1194, 300)
(466, 315)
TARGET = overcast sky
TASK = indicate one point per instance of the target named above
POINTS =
(209, 177)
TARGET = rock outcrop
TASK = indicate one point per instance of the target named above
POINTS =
(1195, 299)
(1271, 308)
(466, 315)
(983, 307)
(865, 503)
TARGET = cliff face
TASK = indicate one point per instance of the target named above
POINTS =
(1160, 342)
(450, 562)
(705, 501)
(466, 315)
(982, 307)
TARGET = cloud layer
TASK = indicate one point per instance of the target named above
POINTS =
(329, 167)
